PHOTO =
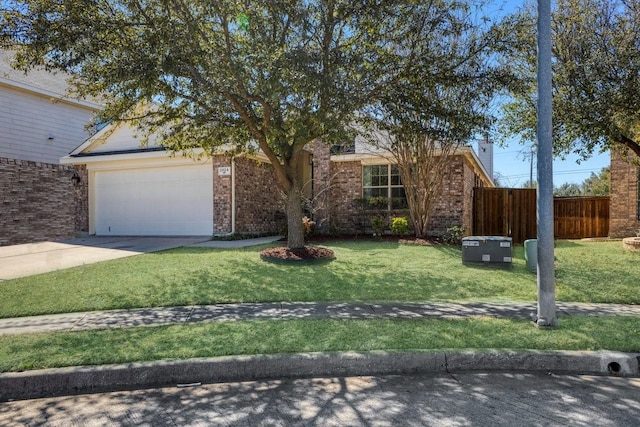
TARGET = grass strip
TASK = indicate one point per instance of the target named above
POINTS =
(363, 271)
(38, 351)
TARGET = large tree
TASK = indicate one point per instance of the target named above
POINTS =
(596, 82)
(219, 75)
(442, 98)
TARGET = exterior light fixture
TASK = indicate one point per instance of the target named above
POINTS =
(76, 178)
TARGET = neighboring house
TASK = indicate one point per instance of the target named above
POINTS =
(624, 210)
(39, 124)
(134, 190)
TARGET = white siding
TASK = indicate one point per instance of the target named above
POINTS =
(124, 137)
(27, 120)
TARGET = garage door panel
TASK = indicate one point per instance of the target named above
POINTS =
(160, 201)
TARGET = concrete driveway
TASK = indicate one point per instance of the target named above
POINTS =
(35, 258)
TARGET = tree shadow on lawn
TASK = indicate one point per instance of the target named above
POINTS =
(259, 281)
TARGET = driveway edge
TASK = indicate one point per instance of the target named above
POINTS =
(93, 379)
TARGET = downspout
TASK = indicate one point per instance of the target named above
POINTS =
(233, 195)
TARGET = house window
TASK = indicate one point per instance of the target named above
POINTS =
(382, 187)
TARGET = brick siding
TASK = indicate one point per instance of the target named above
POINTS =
(623, 219)
(221, 197)
(39, 201)
(258, 199)
(453, 207)
(321, 186)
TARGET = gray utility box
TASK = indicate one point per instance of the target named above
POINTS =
(494, 250)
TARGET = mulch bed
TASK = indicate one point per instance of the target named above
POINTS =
(306, 253)
(312, 253)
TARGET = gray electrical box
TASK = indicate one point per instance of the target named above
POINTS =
(493, 250)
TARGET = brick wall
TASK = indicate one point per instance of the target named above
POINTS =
(259, 201)
(39, 201)
(449, 208)
(623, 220)
(221, 197)
(321, 186)
(453, 207)
(81, 198)
(345, 187)
(471, 180)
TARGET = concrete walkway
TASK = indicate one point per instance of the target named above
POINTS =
(235, 312)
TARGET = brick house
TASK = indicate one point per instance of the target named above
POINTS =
(134, 190)
(39, 123)
(129, 190)
(624, 210)
(60, 178)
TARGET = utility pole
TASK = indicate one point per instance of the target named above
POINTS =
(531, 157)
(546, 280)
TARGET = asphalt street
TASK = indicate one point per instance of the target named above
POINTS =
(470, 399)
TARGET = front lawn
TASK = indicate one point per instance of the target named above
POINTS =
(98, 347)
(363, 271)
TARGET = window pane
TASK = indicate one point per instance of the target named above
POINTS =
(366, 176)
(376, 198)
(379, 175)
(395, 175)
(374, 176)
(398, 198)
(383, 175)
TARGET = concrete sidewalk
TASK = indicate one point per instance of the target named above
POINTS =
(235, 312)
(35, 258)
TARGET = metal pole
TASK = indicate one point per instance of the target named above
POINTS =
(546, 280)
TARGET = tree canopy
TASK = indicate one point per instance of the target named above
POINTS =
(598, 184)
(441, 98)
(270, 75)
(596, 82)
(215, 74)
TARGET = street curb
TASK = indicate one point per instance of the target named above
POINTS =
(93, 379)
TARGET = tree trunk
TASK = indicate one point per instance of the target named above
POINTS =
(295, 229)
(630, 144)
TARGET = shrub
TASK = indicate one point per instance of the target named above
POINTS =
(453, 235)
(378, 224)
(399, 226)
(308, 225)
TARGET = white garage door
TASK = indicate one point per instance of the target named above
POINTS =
(160, 201)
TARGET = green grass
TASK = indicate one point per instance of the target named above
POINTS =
(363, 271)
(51, 350)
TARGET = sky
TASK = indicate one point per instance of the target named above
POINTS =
(512, 162)
(511, 159)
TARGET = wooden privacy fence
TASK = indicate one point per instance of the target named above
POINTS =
(512, 212)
